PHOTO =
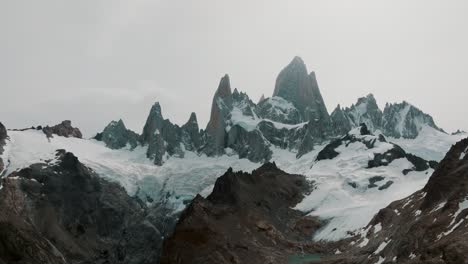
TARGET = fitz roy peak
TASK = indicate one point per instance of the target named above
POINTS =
(295, 118)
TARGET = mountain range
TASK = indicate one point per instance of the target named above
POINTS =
(281, 180)
(294, 118)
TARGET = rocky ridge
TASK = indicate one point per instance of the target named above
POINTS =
(246, 219)
(294, 118)
(62, 212)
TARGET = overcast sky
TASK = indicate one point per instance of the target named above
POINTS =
(94, 61)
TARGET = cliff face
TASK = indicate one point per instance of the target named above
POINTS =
(61, 212)
(246, 219)
(3, 138)
(297, 86)
(220, 109)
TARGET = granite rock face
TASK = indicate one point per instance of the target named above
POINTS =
(117, 136)
(64, 129)
(62, 212)
(220, 109)
(191, 135)
(246, 219)
(297, 86)
(3, 138)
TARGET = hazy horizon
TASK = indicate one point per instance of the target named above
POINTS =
(97, 61)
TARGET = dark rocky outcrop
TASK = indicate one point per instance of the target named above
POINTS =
(62, 212)
(248, 144)
(116, 136)
(429, 226)
(64, 129)
(459, 132)
(3, 138)
(246, 219)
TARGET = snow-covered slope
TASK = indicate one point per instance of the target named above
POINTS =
(347, 192)
(430, 144)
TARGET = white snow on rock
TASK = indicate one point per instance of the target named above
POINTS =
(461, 206)
(346, 208)
(462, 155)
(430, 144)
(250, 123)
(381, 247)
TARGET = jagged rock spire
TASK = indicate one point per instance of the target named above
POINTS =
(192, 135)
(221, 107)
(115, 135)
(261, 98)
(300, 88)
(153, 122)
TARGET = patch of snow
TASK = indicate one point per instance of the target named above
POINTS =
(412, 255)
(364, 242)
(377, 228)
(380, 261)
(461, 206)
(462, 155)
(439, 206)
(417, 213)
(381, 247)
(402, 119)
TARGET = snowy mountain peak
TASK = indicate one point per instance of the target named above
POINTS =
(405, 120)
(295, 85)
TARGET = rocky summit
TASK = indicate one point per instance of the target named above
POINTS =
(294, 118)
(246, 219)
